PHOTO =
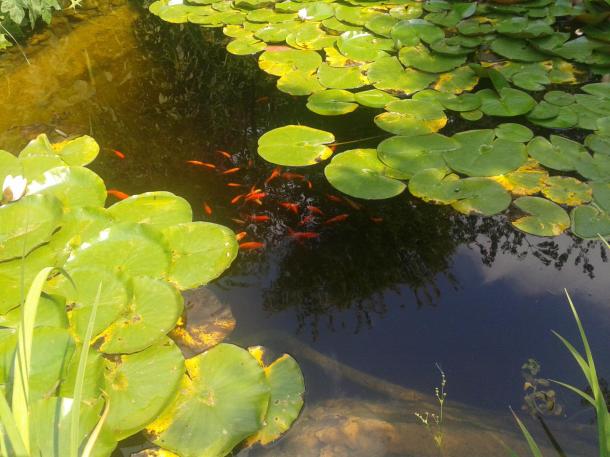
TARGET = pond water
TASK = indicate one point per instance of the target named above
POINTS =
(371, 306)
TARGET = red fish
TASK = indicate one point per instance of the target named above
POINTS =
(292, 207)
(237, 198)
(240, 236)
(315, 210)
(207, 209)
(339, 218)
(352, 203)
(258, 218)
(307, 219)
(309, 184)
(274, 174)
(118, 153)
(251, 245)
(234, 184)
(238, 221)
(199, 163)
(334, 198)
(224, 154)
(377, 220)
(255, 196)
(117, 193)
(302, 235)
(230, 171)
(292, 176)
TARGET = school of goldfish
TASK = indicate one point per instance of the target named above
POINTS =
(250, 202)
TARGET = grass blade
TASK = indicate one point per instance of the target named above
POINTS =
(96, 431)
(528, 437)
(584, 366)
(21, 388)
(10, 427)
(80, 378)
(577, 391)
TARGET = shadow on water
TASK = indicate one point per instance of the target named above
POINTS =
(390, 291)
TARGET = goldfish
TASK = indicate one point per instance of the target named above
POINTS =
(251, 245)
(255, 196)
(198, 163)
(352, 203)
(274, 174)
(292, 207)
(339, 218)
(231, 170)
(224, 154)
(238, 221)
(377, 220)
(207, 209)
(302, 235)
(309, 184)
(258, 218)
(315, 210)
(117, 193)
(237, 198)
(240, 236)
(292, 176)
(307, 219)
(234, 184)
(118, 153)
(334, 198)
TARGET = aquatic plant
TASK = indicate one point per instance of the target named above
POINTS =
(433, 421)
(596, 398)
(426, 64)
(126, 266)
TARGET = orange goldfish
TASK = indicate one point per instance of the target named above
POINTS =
(292, 207)
(240, 236)
(339, 218)
(207, 209)
(251, 245)
(231, 170)
(118, 153)
(274, 174)
(117, 193)
(199, 163)
(315, 210)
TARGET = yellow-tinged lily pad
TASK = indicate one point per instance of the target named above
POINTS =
(567, 191)
(544, 218)
(412, 117)
(295, 146)
(158, 209)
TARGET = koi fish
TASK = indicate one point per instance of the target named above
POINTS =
(315, 210)
(251, 245)
(240, 236)
(309, 184)
(352, 203)
(198, 163)
(377, 220)
(339, 218)
(302, 235)
(234, 184)
(292, 176)
(258, 218)
(207, 209)
(238, 221)
(255, 196)
(292, 207)
(274, 174)
(334, 198)
(237, 198)
(307, 219)
(118, 153)
(224, 154)
(230, 171)
(117, 193)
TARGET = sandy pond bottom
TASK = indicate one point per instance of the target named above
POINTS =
(369, 308)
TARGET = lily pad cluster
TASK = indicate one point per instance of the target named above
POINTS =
(131, 261)
(423, 64)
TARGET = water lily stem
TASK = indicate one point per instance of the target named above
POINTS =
(357, 141)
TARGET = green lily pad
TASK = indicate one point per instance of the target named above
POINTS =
(359, 173)
(457, 81)
(598, 143)
(287, 388)
(341, 78)
(222, 400)
(410, 155)
(355, 14)
(126, 247)
(411, 32)
(295, 146)
(37, 147)
(558, 154)
(282, 62)
(434, 185)
(245, 46)
(77, 152)
(480, 196)
(33, 167)
(566, 118)
(154, 310)
(596, 168)
(515, 49)
(158, 209)
(310, 36)
(514, 132)
(559, 98)
(465, 102)
(316, 11)
(141, 385)
(412, 117)
(72, 186)
(528, 179)
(601, 195)
(373, 98)
(507, 103)
(299, 83)
(543, 111)
(589, 222)
(332, 102)
(479, 154)
(421, 58)
(544, 218)
(386, 73)
(601, 90)
(567, 191)
(362, 46)
(201, 251)
(381, 24)
(27, 223)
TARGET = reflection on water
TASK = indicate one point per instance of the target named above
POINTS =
(397, 287)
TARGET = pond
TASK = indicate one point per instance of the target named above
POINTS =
(370, 306)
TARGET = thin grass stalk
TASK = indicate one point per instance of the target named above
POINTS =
(535, 450)
(10, 429)
(80, 378)
(96, 431)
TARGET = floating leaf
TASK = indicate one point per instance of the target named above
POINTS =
(360, 174)
(567, 191)
(479, 196)
(299, 83)
(526, 180)
(77, 152)
(412, 117)
(159, 209)
(282, 62)
(388, 74)
(420, 58)
(410, 155)
(373, 98)
(515, 49)
(514, 132)
(589, 222)
(222, 400)
(341, 78)
(295, 145)
(332, 102)
(362, 46)
(544, 218)
(72, 186)
(507, 103)
(465, 102)
(558, 154)
(411, 32)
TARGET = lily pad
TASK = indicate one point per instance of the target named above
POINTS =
(158, 209)
(514, 132)
(77, 152)
(507, 103)
(421, 58)
(386, 73)
(374, 98)
(281, 62)
(221, 401)
(567, 191)
(544, 218)
(411, 32)
(341, 78)
(480, 196)
(362, 46)
(299, 83)
(295, 145)
(515, 49)
(558, 154)
(72, 186)
(589, 222)
(465, 102)
(359, 173)
(528, 179)
(332, 102)
(412, 117)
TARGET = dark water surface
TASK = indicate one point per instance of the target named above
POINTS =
(389, 298)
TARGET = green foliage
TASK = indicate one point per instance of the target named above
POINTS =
(99, 344)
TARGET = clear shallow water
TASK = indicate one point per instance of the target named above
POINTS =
(389, 299)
